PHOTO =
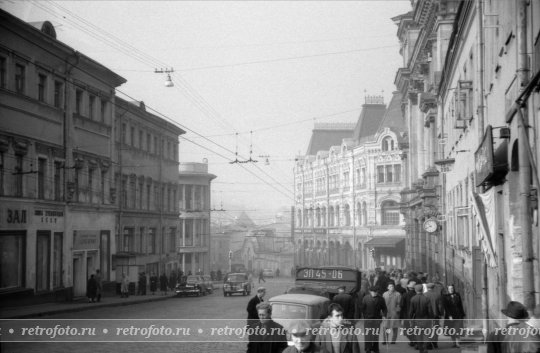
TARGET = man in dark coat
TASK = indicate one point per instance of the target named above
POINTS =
(91, 289)
(422, 314)
(253, 315)
(373, 311)
(437, 307)
(346, 301)
(404, 313)
(269, 336)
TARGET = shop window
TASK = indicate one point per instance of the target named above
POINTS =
(43, 260)
(57, 260)
(12, 259)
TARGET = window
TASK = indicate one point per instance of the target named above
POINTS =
(103, 110)
(58, 91)
(380, 174)
(389, 174)
(189, 232)
(42, 86)
(390, 213)
(20, 78)
(12, 261)
(156, 151)
(142, 249)
(102, 185)
(91, 106)
(124, 132)
(3, 72)
(105, 250)
(163, 240)
(129, 239)
(132, 136)
(1, 173)
(172, 240)
(124, 193)
(42, 167)
(148, 193)
(397, 173)
(91, 185)
(141, 193)
(133, 193)
(18, 175)
(57, 181)
(157, 205)
(189, 199)
(148, 143)
(141, 139)
(76, 182)
(43, 260)
(57, 260)
(174, 200)
(78, 101)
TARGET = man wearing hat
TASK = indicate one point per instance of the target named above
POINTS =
(302, 338)
(435, 299)
(510, 339)
(404, 313)
(373, 311)
(422, 314)
(346, 301)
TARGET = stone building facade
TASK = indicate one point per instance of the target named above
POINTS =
(347, 192)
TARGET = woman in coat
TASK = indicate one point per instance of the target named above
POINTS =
(393, 304)
(453, 314)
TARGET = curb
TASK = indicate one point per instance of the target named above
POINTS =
(85, 308)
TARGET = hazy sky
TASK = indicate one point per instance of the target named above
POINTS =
(270, 68)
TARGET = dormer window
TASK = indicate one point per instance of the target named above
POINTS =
(388, 144)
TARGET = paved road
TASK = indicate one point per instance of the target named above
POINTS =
(144, 327)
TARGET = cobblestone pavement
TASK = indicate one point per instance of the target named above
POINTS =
(200, 314)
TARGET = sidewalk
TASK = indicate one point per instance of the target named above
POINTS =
(80, 304)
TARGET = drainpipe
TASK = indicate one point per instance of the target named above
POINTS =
(524, 163)
(481, 123)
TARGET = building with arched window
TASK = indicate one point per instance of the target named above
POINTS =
(352, 217)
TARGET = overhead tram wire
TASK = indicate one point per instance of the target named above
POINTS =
(148, 107)
(201, 103)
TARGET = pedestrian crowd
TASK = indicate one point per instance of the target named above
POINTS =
(413, 303)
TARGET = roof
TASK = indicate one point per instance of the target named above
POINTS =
(325, 136)
(307, 299)
(393, 117)
(385, 242)
(369, 121)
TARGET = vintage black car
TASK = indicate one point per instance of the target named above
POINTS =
(237, 283)
(192, 285)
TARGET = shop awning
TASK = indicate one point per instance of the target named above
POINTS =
(385, 242)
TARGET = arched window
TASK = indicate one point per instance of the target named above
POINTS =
(318, 215)
(359, 214)
(387, 144)
(331, 216)
(323, 217)
(364, 213)
(389, 213)
(347, 215)
(338, 221)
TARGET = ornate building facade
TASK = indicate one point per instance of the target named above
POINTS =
(469, 78)
(347, 192)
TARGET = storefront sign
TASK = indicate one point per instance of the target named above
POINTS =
(85, 239)
(48, 216)
(15, 216)
(483, 158)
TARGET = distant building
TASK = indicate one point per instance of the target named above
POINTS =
(269, 247)
(147, 182)
(193, 247)
(347, 191)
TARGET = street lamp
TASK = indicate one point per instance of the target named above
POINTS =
(168, 81)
